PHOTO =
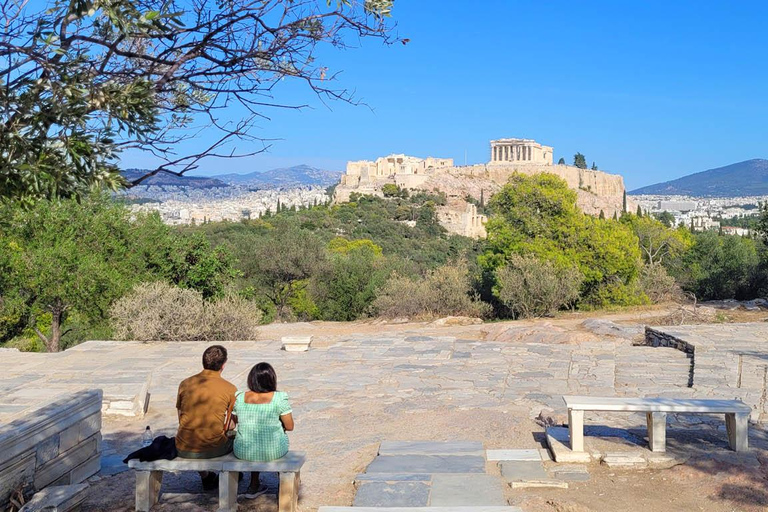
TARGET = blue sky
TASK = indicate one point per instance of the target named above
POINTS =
(650, 90)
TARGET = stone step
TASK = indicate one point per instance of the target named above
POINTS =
(58, 498)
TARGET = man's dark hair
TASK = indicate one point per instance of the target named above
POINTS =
(262, 378)
(214, 358)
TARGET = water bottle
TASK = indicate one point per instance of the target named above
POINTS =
(146, 438)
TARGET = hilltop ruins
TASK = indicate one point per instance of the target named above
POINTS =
(597, 191)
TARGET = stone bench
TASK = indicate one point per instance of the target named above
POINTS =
(736, 416)
(149, 478)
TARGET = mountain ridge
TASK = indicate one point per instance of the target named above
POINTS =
(747, 178)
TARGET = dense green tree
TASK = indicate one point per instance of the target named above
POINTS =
(721, 267)
(579, 161)
(665, 218)
(83, 79)
(594, 166)
(658, 243)
(347, 289)
(561, 161)
(537, 215)
(68, 258)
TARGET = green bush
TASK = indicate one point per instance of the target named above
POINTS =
(446, 291)
(531, 287)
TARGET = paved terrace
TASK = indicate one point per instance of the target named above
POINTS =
(352, 391)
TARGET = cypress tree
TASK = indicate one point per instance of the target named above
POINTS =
(639, 211)
(602, 215)
(625, 202)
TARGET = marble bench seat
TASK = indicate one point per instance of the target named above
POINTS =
(149, 478)
(736, 416)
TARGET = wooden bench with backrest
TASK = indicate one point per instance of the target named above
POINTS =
(149, 478)
(736, 416)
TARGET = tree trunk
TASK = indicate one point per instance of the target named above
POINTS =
(54, 340)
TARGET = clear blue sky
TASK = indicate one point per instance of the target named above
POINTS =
(650, 90)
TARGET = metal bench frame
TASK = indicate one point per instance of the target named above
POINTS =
(149, 478)
(736, 416)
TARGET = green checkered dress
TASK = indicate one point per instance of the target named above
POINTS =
(260, 434)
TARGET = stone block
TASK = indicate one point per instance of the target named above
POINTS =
(571, 473)
(514, 471)
(86, 470)
(458, 490)
(431, 448)
(69, 437)
(47, 450)
(498, 455)
(296, 343)
(427, 464)
(531, 484)
(624, 460)
(61, 498)
(392, 494)
(59, 469)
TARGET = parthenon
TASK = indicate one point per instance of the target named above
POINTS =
(524, 151)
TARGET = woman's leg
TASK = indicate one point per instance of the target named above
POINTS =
(254, 485)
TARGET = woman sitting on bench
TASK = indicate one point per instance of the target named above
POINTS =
(263, 416)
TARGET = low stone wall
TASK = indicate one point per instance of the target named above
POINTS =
(57, 444)
(656, 338)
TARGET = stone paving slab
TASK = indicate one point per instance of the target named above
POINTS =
(466, 490)
(522, 471)
(530, 455)
(393, 477)
(427, 464)
(431, 448)
(392, 494)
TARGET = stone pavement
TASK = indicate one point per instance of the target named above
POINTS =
(410, 373)
(434, 474)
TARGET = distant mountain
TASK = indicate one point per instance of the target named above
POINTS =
(298, 175)
(164, 179)
(749, 178)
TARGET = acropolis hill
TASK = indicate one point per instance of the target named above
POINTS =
(596, 190)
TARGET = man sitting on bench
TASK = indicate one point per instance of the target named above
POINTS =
(204, 405)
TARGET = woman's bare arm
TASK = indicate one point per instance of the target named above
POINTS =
(287, 420)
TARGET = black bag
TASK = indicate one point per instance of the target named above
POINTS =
(162, 447)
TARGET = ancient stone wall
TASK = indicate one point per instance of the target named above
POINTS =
(58, 444)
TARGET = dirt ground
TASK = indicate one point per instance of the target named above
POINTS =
(340, 444)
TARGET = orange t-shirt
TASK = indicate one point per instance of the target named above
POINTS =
(203, 402)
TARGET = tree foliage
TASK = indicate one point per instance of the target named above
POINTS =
(579, 161)
(537, 215)
(84, 80)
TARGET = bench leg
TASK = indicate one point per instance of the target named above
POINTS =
(288, 495)
(657, 431)
(228, 491)
(147, 489)
(737, 427)
(576, 429)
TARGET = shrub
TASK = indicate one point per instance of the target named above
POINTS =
(161, 312)
(444, 291)
(658, 285)
(531, 287)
